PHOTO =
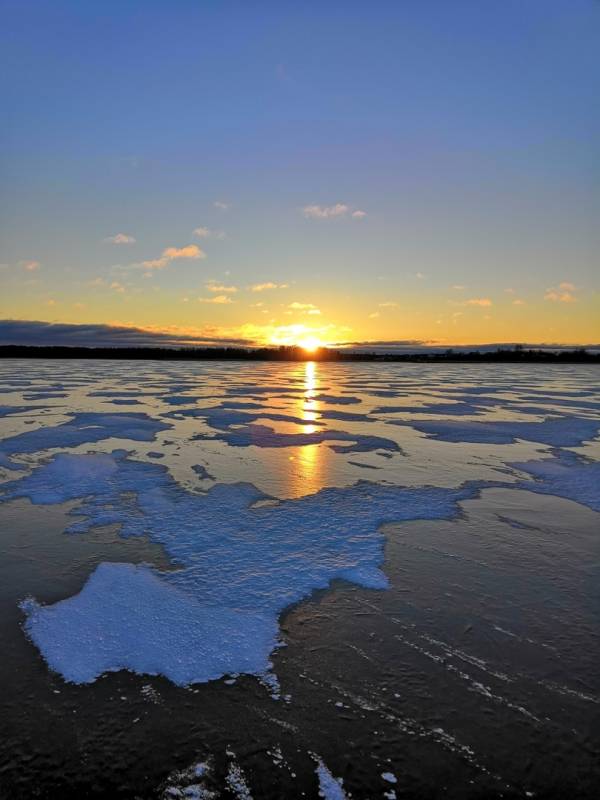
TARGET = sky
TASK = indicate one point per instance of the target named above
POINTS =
(282, 172)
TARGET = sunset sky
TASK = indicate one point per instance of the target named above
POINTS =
(276, 171)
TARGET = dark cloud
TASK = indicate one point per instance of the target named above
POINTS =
(55, 334)
(421, 346)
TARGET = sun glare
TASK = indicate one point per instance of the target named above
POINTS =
(310, 344)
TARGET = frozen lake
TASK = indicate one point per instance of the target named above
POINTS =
(273, 580)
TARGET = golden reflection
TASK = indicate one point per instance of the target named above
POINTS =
(309, 406)
(309, 455)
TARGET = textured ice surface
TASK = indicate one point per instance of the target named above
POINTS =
(126, 617)
(240, 561)
(566, 476)
(330, 788)
(263, 436)
(558, 432)
(83, 428)
(240, 565)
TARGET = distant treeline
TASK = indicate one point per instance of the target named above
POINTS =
(503, 355)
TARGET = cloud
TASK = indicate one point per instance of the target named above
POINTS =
(170, 254)
(561, 295)
(261, 287)
(388, 305)
(358, 214)
(221, 205)
(218, 287)
(420, 276)
(458, 287)
(30, 266)
(484, 302)
(120, 238)
(29, 332)
(567, 287)
(219, 299)
(374, 315)
(208, 233)
(314, 311)
(325, 212)
(518, 302)
(295, 306)
(117, 287)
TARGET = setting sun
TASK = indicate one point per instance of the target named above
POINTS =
(310, 344)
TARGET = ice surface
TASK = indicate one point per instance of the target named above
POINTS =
(263, 436)
(83, 428)
(126, 617)
(241, 565)
(330, 788)
(567, 476)
(557, 432)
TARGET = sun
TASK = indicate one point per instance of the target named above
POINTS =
(310, 344)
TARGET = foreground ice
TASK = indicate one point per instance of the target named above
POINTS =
(241, 565)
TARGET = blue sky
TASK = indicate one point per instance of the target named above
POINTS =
(465, 132)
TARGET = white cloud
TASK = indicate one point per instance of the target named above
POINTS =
(331, 212)
(313, 311)
(388, 305)
(458, 287)
(208, 233)
(325, 212)
(218, 287)
(219, 299)
(120, 238)
(295, 306)
(556, 296)
(261, 287)
(484, 302)
(221, 205)
(170, 254)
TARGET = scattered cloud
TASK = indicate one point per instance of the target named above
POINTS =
(170, 254)
(325, 212)
(219, 299)
(331, 212)
(484, 302)
(120, 238)
(212, 286)
(388, 305)
(117, 287)
(262, 287)
(562, 294)
(30, 266)
(374, 315)
(518, 302)
(221, 205)
(305, 308)
(208, 233)
(458, 287)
